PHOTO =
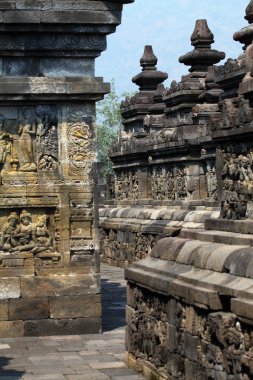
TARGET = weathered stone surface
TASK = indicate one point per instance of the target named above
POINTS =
(57, 286)
(3, 310)
(47, 327)
(9, 288)
(28, 309)
(180, 206)
(10, 329)
(48, 217)
(75, 307)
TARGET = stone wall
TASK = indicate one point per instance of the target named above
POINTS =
(186, 151)
(128, 234)
(189, 313)
(187, 146)
(49, 260)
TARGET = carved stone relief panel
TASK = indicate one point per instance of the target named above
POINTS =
(127, 185)
(235, 113)
(28, 141)
(80, 149)
(169, 182)
(124, 246)
(160, 328)
(237, 180)
(29, 231)
(163, 183)
(211, 181)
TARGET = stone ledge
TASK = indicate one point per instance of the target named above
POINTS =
(21, 16)
(236, 260)
(163, 213)
(53, 85)
(200, 287)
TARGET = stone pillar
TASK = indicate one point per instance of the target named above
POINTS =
(49, 260)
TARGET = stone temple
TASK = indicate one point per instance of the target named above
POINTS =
(179, 214)
(49, 259)
(179, 208)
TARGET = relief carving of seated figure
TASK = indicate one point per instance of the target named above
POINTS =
(24, 234)
(8, 236)
(42, 237)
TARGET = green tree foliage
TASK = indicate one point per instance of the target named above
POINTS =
(108, 126)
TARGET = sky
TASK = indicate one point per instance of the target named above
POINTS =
(167, 25)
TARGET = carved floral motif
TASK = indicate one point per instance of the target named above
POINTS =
(81, 155)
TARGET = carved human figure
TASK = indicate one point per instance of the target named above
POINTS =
(24, 233)
(26, 131)
(42, 237)
(245, 171)
(5, 144)
(211, 181)
(8, 234)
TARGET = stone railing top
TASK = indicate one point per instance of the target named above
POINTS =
(172, 214)
(236, 260)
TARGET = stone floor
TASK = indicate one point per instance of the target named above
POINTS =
(81, 357)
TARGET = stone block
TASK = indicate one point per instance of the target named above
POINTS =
(12, 262)
(8, 4)
(237, 263)
(71, 270)
(242, 307)
(172, 339)
(17, 16)
(186, 251)
(58, 286)
(22, 309)
(129, 315)
(168, 248)
(217, 259)
(128, 342)
(190, 346)
(16, 272)
(194, 371)
(46, 327)
(11, 329)
(196, 295)
(3, 310)
(75, 307)
(9, 287)
(161, 247)
(200, 255)
(176, 366)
